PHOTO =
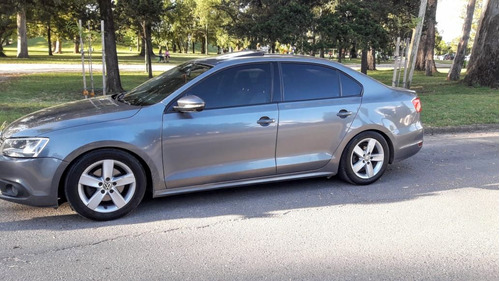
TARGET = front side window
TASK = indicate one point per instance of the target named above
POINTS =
(158, 88)
(309, 82)
(236, 86)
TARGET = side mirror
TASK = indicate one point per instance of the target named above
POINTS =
(190, 103)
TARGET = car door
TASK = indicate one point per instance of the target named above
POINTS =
(319, 105)
(233, 138)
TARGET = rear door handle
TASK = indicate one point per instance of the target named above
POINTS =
(344, 113)
(265, 121)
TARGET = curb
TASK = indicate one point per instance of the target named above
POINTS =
(461, 129)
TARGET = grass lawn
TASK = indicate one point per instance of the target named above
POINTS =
(448, 103)
(38, 54)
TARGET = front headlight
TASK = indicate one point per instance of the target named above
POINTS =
(23, 147)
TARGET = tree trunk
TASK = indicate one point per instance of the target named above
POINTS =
(139, 41)
(364, 61)
(353, 53)
(2, 54)
(143, 46)
(58, 49)
(430, 65)
(113, 82)
(483, 66)
(371, 59)
(149, 48)
(425, 55)
(49, 40)
(206, 39)
(76, 45)
(458, 61)
(22, 37)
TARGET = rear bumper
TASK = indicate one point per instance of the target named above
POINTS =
(33, 182)
(410, 143)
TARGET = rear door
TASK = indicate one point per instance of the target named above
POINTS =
(319, 105)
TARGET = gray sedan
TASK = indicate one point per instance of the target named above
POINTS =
(232, 120)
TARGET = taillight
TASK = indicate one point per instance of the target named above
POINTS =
(417, 104)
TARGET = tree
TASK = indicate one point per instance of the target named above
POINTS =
(458, 61)
(7, 23)
(361, 27)
(22, 35)
(425, 54)
(483, 66)
(113, 81)
(146, 13)
(271, 21)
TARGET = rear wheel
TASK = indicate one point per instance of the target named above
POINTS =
(365, 158)
(105, 184)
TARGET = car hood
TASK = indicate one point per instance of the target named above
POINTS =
(72, 114)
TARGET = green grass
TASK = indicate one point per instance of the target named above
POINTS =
(447, 103)
(20, 95)
(38, 53)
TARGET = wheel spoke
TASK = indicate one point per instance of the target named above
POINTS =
(359, 151)
(358, 166)
(107, 169)
(124, 180)
(377, 157)
(117, 198)
(89, 180)
(371, 145)
(96, 200)
(369, 170)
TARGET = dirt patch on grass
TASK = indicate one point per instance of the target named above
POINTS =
(7, 77)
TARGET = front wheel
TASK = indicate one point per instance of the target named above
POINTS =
(105, 184)
(365, 159)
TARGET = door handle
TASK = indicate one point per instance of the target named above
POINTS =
(265, 121)
(344, 113)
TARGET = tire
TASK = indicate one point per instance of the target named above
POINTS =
(365, 159)
(105, 184)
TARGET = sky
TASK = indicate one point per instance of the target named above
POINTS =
(449, 23)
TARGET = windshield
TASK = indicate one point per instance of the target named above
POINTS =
(156, 89)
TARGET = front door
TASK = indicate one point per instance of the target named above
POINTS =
(233, 139)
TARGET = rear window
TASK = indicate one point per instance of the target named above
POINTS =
(309, 82)
(350, 87)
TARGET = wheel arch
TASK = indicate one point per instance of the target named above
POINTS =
(381, 132)
(75, 156)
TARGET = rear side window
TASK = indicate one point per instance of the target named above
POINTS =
(350, 87)
(309, 82)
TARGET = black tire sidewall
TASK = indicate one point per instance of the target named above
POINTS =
(81, 164)
(346, 171)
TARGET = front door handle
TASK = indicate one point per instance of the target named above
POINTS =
(344, 113)
(265, 121)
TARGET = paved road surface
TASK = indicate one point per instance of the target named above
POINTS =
(432, 217)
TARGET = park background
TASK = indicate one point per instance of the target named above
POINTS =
(361, 34)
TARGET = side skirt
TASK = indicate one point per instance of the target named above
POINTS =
(189, 189)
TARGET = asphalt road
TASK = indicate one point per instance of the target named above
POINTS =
(432, 217)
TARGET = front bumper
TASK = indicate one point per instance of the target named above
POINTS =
(30, 181)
